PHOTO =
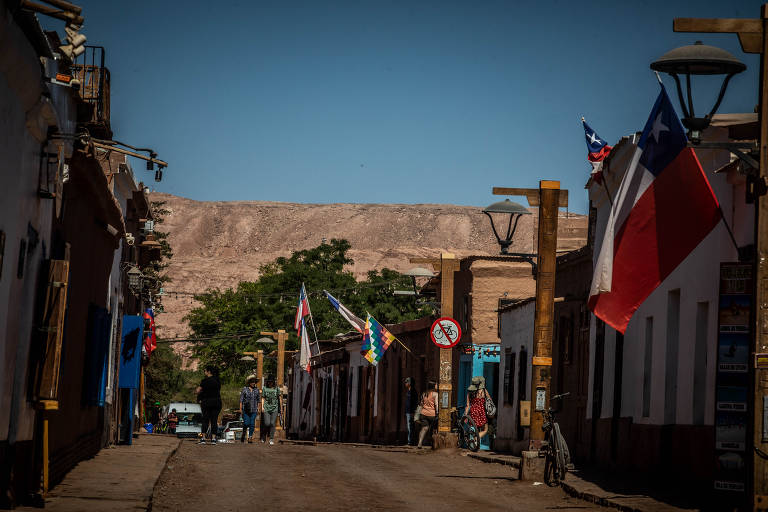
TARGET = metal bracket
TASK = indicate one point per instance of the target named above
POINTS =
(734, 147)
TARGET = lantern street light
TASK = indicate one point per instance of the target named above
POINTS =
(698, 59)
(135, 279)
(515, 211)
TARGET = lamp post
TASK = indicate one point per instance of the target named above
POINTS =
(753, 36)
(548, 197)
(258, 356)
(515, 211)
(698, 59)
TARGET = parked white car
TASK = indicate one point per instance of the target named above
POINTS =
(233, 430)
(190, 418)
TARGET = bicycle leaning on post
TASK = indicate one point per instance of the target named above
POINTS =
(466, 431)
(554, 449)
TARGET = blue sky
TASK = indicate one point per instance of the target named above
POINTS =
(394, 102)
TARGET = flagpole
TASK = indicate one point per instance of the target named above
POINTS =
(309, 309)
(605, 186)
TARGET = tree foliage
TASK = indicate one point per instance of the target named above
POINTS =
(229, 321)
(164, 380)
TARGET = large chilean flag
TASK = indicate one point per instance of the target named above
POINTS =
(663, 209)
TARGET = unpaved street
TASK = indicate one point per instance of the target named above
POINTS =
(235, 477)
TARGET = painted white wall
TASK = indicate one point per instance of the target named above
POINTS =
(26, 117)
(697, 278)
(516, 332)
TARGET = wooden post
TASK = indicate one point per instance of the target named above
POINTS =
(753, 36)
(282, 337)
(541, 376)
(760, 430)
(260, 368)
(448, 266)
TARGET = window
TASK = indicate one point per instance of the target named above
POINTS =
(647, 366)
(700, 363)
(673, 347)
(509, 377)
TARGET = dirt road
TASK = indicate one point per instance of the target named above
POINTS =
(236, 477)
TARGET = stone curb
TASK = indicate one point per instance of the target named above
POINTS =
(165, 466)
(594, 498)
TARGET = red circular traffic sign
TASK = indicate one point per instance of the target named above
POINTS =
(445, 332)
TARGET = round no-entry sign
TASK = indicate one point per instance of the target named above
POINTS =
(445, 332)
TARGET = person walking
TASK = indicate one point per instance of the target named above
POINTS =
(250, 398)
(209, 396)
(410, 402)
(476, 396)
(270, 408)
(173, 421)
(428, 413)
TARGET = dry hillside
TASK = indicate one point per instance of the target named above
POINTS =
(218, 244)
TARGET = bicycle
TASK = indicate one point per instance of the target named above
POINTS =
(466, 431)
(554, 449)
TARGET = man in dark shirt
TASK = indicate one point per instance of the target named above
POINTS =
(410, 401)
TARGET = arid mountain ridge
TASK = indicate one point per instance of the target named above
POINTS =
(218, 244)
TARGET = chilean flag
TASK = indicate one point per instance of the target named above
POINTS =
(301, 328)
(302, 310)
(663, 209)
(597, 150)
(150, 338)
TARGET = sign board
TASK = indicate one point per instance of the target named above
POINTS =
(445, 332)
(732, 380)
(541, 361)
(541, 398)
(525, 413)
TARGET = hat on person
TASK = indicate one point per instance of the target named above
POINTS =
(408, 380)
(480, 382)
(250, 378)
(476, 384)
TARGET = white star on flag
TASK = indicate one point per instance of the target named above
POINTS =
(593, 139)
(658, 127)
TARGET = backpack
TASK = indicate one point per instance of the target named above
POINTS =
(490, 407)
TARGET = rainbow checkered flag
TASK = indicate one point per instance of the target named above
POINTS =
(376, 340)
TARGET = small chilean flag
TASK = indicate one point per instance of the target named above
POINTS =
(663, 209)
(301, 328)
(597, 150)
(302, 310)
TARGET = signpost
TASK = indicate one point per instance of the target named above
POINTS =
(445, 332)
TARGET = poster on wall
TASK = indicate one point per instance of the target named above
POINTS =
(732, 382)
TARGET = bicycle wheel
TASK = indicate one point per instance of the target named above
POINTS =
(551, 470)
(473, 439)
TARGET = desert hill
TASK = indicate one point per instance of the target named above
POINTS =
(218, 244)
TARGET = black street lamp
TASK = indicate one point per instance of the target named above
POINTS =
(698, 59)
(515, 211)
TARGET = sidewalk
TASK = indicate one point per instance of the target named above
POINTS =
(606, 490)
(117, 479)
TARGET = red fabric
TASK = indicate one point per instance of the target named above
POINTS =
(600, 155)
(477, 411)
(671, 218)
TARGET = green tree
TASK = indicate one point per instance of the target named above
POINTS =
(228, 321)
(164, 379)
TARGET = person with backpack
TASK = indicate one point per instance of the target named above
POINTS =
(480, 405)
(250, 397)
(426, 412)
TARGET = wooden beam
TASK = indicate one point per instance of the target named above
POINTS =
(532, 194)
(751, 42)
(717, 25)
